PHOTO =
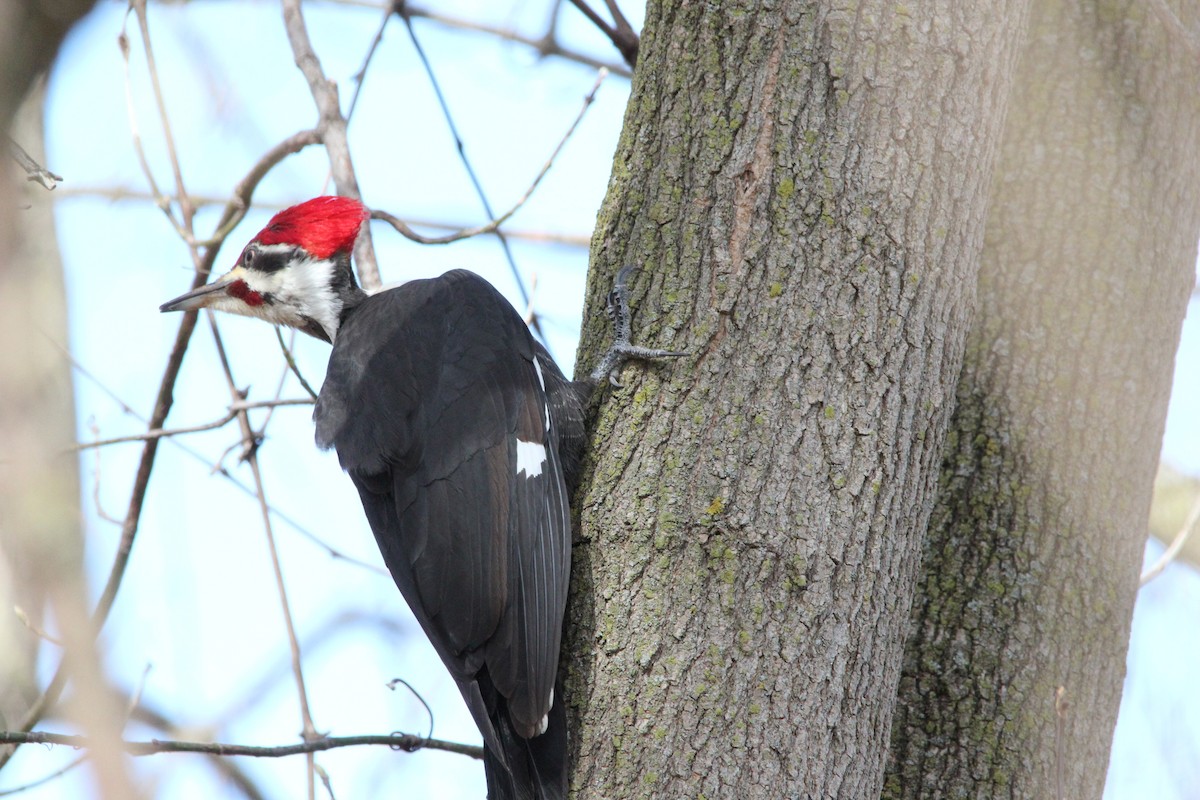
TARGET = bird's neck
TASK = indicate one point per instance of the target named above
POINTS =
(351, 300)
(330, 308)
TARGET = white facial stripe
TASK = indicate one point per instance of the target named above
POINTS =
(531, 456)
(300, 290)
(274, 248)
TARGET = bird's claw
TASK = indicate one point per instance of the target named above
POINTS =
(616, 307)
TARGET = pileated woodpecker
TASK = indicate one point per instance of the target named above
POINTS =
(463, 438)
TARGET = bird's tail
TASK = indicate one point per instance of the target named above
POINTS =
(528, 769)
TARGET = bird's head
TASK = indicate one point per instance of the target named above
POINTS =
(295, 272)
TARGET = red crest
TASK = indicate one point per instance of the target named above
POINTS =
(322, 226)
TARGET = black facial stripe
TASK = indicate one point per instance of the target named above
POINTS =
(268, 261)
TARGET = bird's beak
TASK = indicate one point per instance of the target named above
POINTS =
(198, 298)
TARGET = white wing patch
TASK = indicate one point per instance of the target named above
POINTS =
(545, 721)
(531, 457)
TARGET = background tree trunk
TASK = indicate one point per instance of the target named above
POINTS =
(1031, 571)
(805, 189)
(40, 543)
(38, 402)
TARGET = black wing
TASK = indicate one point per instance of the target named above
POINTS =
(436, 403)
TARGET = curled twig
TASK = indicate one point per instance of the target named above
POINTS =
(1189, 525)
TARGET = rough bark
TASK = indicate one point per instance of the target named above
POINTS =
(804, 186)
(1031, 569)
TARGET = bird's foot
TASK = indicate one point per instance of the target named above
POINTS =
(622, 350)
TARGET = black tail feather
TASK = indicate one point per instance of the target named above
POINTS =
(536, 768)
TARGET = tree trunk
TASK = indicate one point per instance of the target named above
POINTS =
(805, 189)
(1031, 570)
(41, 558)
(38, 417)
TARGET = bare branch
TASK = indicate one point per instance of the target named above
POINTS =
(409, 743)
(234, 410)
(122, 193)
(239, 203)
(361, 76)
(622, 36)
(545, 46)
(185, 205)
(494, 225)
(160, 199)
(622, 23)
(217, 469)
(332, 126)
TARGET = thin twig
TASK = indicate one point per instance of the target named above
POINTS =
(185, 206)
(96, 469)
(332, 551)
(234, 410)
(399, 5)
(361, 76)
(544, 46)
(160, 199)
(325, 781)
(429, 711)
(494, 225)
(34, 628)
(409, 743)
(123, 193)
(42, 781)
(622, 36)
(530, 313)
(33, 170)
(250, 456)
(1177, 543)
(291, 363)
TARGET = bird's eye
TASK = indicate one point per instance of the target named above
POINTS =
(248, 257)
